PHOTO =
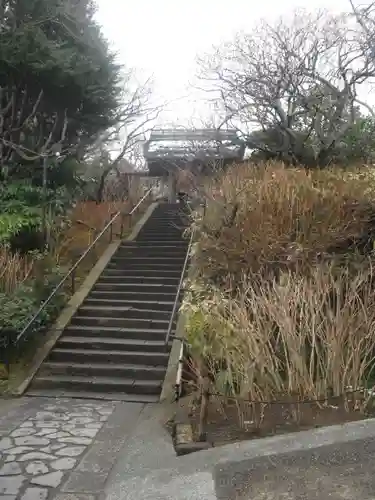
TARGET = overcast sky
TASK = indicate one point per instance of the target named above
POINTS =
(163, 37)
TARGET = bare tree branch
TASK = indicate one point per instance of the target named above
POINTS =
(297, 81)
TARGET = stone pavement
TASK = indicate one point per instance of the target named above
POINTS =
(60, 449)
(67, 449)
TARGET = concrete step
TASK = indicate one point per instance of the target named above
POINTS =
(141, 295)
(126, 327)
(147, 264)
(144, 305)
(135, 259)
(152, 272)
(109, 356)
(124, 311)
(157, 236)
(125, 278)
(93, 395)
(105, 343)
(97, 383)
(114, 348)
(151, 252)
(90, 369)
(135, 287)
(176, 229)
(147, 248)
(163, 241)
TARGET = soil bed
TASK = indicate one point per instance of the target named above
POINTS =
(224, 419)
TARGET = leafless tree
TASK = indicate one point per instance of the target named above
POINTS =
(294, 83)
(135, 120)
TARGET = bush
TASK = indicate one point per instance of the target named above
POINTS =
(282, 301)
(18, 307)
(267, 218)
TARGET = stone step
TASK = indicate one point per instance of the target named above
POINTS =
(151, 252)
(144, 305)
(145, 259)
(104, 369)
(141, 246)
(93, 395)
(105, 343)
(161, 241)
(125, 278)
(152, 272)
(97, 383)
(123, 311)
(122, 326)
(114, 347)
(176, 229)
(147, 264)
(141, 295)
(135, 287)
(79, 355)
(156, 237)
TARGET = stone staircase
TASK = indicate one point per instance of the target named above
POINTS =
(114, 346)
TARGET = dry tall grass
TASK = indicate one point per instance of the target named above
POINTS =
(87, 220)
(283, 300)
(281, 217)
(14, 269)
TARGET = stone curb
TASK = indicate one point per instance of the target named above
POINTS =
(74, 303)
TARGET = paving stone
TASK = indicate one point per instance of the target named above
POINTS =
(52, 448)
(27, 424)
(10, 469)
(84, 432)
(23, 431)
(53, 479)
(71, 451)
(11, 485)
(83, 413)
(35, 455)
(94, 425)
(52, 425)
(8, 497)
(57, 435)
(103, 419)
(5, 444)
(75, 496)
(31, 441)
(81, 420)
(36, 467)
(46, 432)
(50, 416)
(64, 463)
(19, 449)
(105, 411)
(76, 440)
(35, 494)
(10, 458)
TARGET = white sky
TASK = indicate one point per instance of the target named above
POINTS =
(163, 37)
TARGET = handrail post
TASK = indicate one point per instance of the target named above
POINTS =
(73, 283)
(121, 225)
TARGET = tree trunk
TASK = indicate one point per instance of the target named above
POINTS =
(100, 190)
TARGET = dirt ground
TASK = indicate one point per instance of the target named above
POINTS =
(231, 421)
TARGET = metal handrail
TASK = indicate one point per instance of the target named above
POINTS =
(175, 305)
(71, 272)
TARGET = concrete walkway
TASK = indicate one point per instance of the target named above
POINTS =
(61, 449)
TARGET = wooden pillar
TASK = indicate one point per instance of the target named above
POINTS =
(172, 187)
